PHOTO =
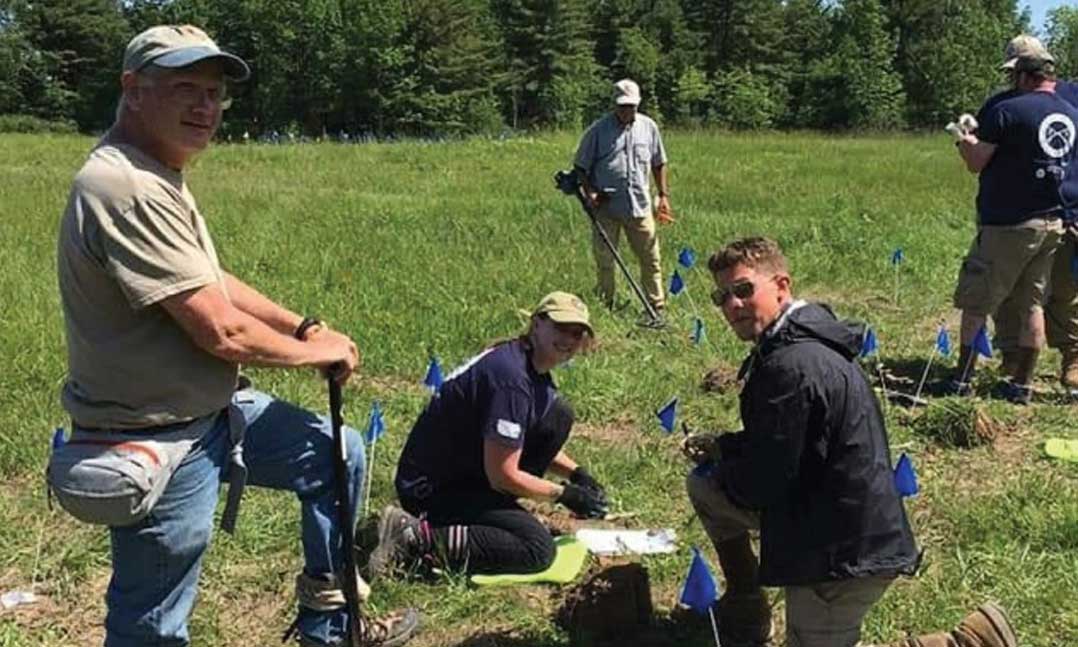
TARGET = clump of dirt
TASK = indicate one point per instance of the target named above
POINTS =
(610, 606)
(721, 378)
(959, 423)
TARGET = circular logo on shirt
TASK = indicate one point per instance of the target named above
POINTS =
(1057, 135)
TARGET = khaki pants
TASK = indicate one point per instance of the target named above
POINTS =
(1011, 261)
(645, 244)
(828, 614)
(1060, 305)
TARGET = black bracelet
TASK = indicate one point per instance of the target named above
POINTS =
(304, 326)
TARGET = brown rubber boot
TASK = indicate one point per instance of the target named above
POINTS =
(988, 626)
(743, 611)
(1068, 368)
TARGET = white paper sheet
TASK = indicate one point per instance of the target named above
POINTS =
(628, 542)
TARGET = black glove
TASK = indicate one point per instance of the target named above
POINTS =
(583, 501)
(582, 477)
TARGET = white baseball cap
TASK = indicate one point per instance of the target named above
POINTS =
(626, 93)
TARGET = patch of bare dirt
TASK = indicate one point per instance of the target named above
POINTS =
(721, 378)
(612, 433)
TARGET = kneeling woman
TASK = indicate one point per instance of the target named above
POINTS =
(488, 438)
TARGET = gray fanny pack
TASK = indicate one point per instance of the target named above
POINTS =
(114, 477)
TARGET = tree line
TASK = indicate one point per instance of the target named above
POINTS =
(456, 67)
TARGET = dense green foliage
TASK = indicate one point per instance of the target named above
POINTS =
(452, 67)
(413, 247)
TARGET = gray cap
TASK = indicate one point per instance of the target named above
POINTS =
(1028, 50)
(175, 46)
(626, 93)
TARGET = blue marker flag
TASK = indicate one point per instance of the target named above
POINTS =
(433, 379)
(943, 342)
(699, 591)
(676, 284)
(905, 477)
(668, 415)
(376, 426)
(869, 344)
(686, 257)
(58, 439)
(981, 345)
(897, 256)
(697, 330)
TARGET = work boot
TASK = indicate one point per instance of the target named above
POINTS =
(988, 626)
(1013, 392)
(745, 619)
(400, 542)
(1068, 369)
(390, 630)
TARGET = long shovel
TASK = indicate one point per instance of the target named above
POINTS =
(347, 574)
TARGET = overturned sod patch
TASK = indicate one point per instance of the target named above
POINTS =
(959, 423)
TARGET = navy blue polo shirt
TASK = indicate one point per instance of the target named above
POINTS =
(1032, 172)
(496, 395)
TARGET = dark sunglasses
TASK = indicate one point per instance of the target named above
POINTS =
(742, 290)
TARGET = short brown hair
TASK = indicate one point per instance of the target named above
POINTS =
(755, 252)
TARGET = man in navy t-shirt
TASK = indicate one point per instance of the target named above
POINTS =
(1061, 301)
(1024, 151)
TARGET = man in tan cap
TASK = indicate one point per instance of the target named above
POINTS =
(1023, 152)
(487, 438)
(1061, 302)
(614, 160)
(156, 331)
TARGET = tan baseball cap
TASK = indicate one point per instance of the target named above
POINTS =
(1025, 48)
(177, 46)
(562, 307)
(626, 93)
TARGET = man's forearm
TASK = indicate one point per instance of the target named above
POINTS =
(662, 179)
(254, 303)
(976, 154)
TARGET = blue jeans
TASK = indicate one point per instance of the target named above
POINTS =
(156, 562)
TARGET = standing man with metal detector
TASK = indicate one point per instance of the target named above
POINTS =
(156, 331)
(613, 162)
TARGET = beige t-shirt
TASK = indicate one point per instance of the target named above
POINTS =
(131, 235)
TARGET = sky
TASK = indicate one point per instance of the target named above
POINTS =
(1040, 9)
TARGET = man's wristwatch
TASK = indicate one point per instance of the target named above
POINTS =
(305, 325)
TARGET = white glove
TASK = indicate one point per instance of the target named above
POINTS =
(965, 125)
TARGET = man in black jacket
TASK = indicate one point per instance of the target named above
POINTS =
(811, 470)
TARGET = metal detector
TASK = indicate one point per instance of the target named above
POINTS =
(347, 575)
(569, 183)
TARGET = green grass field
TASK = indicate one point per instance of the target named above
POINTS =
(434, 247)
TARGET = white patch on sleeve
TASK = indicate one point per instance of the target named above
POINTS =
(508, 429)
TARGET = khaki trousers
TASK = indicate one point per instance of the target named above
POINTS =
(645, 244)
(1060, 305)
(828, 614)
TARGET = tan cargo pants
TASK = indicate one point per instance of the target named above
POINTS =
(645, 244)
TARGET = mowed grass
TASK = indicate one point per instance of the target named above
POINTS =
(418, 248)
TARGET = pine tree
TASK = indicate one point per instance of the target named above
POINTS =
(552, 70)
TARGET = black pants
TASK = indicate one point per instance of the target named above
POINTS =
(480, 530)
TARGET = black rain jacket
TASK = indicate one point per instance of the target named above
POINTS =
(814, 459)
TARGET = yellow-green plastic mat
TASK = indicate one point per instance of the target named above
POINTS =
(1062, 449)
(569, 560)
